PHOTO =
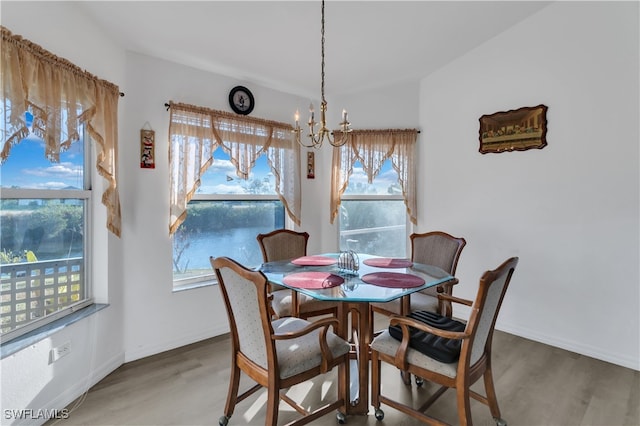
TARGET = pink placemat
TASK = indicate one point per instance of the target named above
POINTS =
(387, 262)
(313, 280)
(314, 261)
(393, 280)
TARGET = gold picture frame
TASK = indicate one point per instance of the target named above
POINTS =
(515, 130)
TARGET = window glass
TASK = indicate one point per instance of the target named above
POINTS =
(386, 183)
(27, 166)
(373, 216)
(224, 218)
(43, 212)
(221, 179)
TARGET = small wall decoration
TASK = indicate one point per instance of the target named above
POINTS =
(311, 165)
(147, 149)
(514, 130)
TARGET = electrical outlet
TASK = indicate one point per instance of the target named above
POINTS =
(57, 353)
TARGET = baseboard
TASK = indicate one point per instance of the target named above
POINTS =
(174, 343)
(572, 346)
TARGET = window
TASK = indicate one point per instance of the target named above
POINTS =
(373, 217)
(231, 178)
(223, 219)
(373, 191)
(44, 210)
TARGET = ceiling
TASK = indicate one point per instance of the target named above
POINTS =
(368, 44)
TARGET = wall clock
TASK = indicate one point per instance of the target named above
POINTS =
(241, 100)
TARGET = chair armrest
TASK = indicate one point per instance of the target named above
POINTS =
(272, 312)
(323, 324)
(447, 287)
(326, 323)
(443, 296)
(404, 322)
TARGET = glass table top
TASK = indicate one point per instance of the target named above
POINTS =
(354, 289)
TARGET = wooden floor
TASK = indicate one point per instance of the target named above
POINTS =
(536, 385)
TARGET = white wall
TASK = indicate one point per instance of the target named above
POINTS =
(570, 210)
(158, 319)
(97, 347)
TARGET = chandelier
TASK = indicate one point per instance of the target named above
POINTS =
(316, 139)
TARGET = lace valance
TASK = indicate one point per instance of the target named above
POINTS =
(372, 148)
(60, 96)
(196, 132)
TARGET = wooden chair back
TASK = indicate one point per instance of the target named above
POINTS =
(283, 244)
(437, 248)
(246, 299)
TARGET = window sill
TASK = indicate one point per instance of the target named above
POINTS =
(194, 285)
(19, 343)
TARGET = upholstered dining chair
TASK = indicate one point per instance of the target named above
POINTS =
(435, 248)
(276, 354)
(456, 359)
(285, 244)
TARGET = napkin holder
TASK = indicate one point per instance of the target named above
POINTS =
(348, 262)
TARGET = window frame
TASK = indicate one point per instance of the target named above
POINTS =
(86, 195)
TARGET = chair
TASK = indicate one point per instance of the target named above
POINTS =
(284, 244)
(474, 356)
(431, 248)
(435, 248)
(275, 354)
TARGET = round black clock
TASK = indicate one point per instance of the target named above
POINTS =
(241, 100)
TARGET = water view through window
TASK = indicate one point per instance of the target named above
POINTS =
(224, 218)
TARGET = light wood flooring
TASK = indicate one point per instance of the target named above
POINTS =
(536, 385)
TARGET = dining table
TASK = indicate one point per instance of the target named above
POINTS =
(355, 280)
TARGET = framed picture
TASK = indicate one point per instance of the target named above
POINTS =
(147, 148)
(515, 130)
(311, 165)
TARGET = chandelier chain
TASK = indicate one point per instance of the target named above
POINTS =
(316, 139)
(322, 53)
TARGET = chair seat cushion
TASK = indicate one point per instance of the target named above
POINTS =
(303, 353)
(388, 345)
(436, 347)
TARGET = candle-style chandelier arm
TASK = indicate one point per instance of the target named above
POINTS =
(316, 139)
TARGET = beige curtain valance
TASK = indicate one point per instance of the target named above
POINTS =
(60, 96)
(372, 148)
(196, 132)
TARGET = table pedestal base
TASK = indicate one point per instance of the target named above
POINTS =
(357, 332)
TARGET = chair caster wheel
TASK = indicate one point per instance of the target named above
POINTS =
(222, 421)
(419, 381)
(500, 422)
(342, 419)
(379, 414)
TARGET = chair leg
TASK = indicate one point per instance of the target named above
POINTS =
(464, 406)
(491, 393)
(273, 401)
(375, 380)
(232, 396)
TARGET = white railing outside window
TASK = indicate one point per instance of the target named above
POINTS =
(33, 290)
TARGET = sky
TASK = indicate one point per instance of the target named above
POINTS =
(27, 167)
